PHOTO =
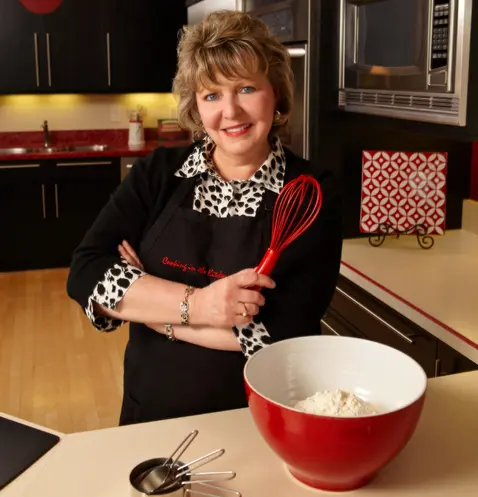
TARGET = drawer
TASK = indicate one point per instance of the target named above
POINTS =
(449, 361)
(333, 324)
(377, 321)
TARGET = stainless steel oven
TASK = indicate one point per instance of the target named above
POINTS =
(290, 21)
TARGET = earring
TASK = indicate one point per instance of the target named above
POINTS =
(277, 116)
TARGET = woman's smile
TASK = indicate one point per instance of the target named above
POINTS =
(236, 131)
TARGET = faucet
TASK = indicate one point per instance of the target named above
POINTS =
(46, 135)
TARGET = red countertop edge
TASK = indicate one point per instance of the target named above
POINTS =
(414, 307)
(111, 151)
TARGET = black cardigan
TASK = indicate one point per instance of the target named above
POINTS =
(307, 271)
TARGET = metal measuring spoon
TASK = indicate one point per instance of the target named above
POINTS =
(154, 477)
(160, 478)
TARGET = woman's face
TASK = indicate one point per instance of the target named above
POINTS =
(237, 114)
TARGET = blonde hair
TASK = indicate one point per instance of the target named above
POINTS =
(234, 45)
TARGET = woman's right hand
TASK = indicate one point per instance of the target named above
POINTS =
(230, 301)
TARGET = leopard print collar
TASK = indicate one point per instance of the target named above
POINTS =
(270, 174)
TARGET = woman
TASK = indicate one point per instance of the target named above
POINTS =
(196, 221)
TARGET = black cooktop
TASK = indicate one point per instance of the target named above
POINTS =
(20, 447)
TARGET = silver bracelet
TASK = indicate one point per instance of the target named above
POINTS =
(170, 332)
(184, 306)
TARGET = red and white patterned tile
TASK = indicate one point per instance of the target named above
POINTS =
(403, 189)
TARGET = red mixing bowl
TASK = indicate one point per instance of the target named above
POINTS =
(329, 452)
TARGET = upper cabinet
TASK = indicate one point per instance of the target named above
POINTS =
(143, 38)
(75, 48)
(19, 48)
(84, 46)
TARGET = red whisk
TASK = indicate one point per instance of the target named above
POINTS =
(292, 215)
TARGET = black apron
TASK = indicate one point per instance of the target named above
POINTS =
(168, 379)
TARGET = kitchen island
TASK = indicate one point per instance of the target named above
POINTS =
(441, 460)
(437, 288)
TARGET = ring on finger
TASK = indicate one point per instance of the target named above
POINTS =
(245, 314)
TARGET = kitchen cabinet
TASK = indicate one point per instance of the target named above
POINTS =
(76, 48)
(143, 40)
(449, 361)
(112, 46)
(354, 312)
(19, 48)
(47, 206)
(25, 216)
(81, 189)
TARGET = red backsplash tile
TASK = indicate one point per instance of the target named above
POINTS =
(77, 137)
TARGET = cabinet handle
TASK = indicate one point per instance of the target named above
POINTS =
(57, 208)
(43, 200)
(129, 166)
(108, 56)
(37, 65)
(19, 166)
(376, 317)
(330, 328)
(48, 57)
(437, 367)
(72, 164)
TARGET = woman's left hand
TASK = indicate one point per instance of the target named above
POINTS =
(129, 255)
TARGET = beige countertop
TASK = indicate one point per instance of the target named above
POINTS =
(437, 462)
(436, 288)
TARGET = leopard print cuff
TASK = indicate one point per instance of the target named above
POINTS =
(109, 293)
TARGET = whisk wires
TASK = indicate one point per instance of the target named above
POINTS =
(295, 210)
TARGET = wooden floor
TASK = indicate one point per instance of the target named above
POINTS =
(56, 370)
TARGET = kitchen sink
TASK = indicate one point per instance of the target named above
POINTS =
(20, 150)
(88, 148)
(39, 150)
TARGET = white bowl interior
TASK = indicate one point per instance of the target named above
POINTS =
(295, 369)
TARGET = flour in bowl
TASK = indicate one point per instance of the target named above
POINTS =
(335, 403)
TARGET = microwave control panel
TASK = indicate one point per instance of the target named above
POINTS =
(440, 34)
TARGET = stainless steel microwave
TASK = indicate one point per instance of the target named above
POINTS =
(407, 59)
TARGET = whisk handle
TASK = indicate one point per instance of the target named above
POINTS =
(267, 264)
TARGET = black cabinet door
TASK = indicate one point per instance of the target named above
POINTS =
(81, 190)
(376, 321)
(333, 324)
(143, 41)
(20, 48)
(449, 361)
(76, 47)
(26, 221)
